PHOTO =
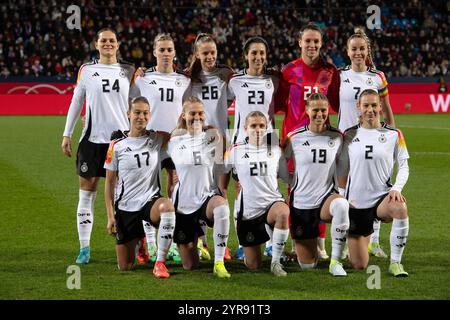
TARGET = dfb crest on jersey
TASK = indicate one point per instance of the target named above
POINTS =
(268, 84)
(122, 73)
(369, 82)
(84, 167)
(178, 82)
(298, 231)
(382, 138)
(250, 237)
(181, 235)
(331, 143)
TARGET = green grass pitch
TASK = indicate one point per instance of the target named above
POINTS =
(39, 241)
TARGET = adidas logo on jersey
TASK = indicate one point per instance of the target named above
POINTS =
(305, 144)
(128, 149)
(245, 85)
(183, 147)
(246, 156)
(96, 74)
(356, 140)
(347, 80)
(152, 82)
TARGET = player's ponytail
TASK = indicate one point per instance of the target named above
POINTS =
(194, 69)
(360, 33)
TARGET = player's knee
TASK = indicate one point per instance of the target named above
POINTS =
(166, 206)
(222, 211)
(339, 208)
(399, 211)
(283, 218)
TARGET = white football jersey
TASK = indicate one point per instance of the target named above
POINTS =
(257, 168)
(315, 156)
(165, 92)
(213, 91)
(137, 162)
(370, 154)
(352, 84)
(193, 157)
(252, 93)
(106, 88)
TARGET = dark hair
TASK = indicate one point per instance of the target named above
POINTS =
(310, 26)
(316, 97)
(137, 100)
(359, 33)
(97, 36)
(252, 40)
(196, 66)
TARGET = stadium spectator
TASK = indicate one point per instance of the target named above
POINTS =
(42, 30)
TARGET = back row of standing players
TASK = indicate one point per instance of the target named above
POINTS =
(107, 85)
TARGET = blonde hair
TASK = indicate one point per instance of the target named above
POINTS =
(162, 37)
(255, 114)
(359, 33)
(368, 92)
(181, 124)
(316, 97)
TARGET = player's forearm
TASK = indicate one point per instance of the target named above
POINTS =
(74, 112)
(109, 193)
(387, 112)
(402, 175)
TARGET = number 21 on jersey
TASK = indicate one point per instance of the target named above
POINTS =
(308, 90)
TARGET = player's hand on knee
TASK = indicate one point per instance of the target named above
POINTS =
(66, 146)
(396, 196)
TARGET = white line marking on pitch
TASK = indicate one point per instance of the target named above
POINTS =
(435, 128)
(425, 153)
